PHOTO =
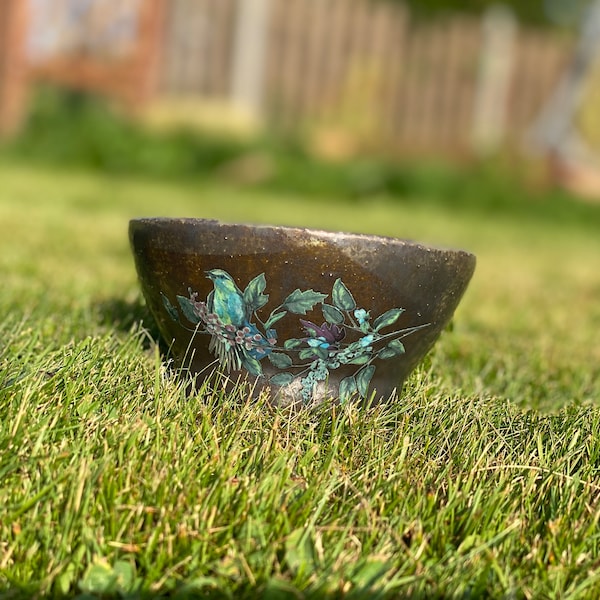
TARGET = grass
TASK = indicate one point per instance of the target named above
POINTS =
(481, 481)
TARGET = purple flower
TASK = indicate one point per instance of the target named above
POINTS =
(328, 333)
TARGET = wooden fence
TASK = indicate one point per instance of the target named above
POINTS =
(198, 47)
(106, 46)
(363, 72)
(110, 47)
(355, 74)
(13, 68)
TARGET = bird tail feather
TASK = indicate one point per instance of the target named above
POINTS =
(230, 357)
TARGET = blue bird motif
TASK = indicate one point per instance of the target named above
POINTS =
(234, 339)
(227, 299)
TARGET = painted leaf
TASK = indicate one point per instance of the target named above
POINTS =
(306, 353)
(187, 308)
(332, 315)
(292, 343)
(253, 294)
(300, 302)
(361, 359)
(282, 379)
(170, 308)
(252, 366)
(280, 360)
(210, 301)
(363, 379)
(342, 298)
(387, 318)
(322, 353)
(274, 318)
(348, 388)
(354, 347)
(394, 348)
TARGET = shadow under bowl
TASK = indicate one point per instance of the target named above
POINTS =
(304, 314)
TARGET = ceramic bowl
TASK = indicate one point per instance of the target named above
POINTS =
(304, 314)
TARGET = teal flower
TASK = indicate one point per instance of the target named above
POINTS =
(319, 342)
(362, 316)
(365, 341)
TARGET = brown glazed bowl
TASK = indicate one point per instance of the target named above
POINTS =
(304, 314)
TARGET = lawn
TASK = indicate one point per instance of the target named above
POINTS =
(481, 480)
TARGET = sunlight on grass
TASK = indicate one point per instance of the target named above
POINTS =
(530, 310)
(115, 481)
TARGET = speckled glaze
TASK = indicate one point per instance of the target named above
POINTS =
(305, 314)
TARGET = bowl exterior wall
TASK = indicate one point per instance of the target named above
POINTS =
(306, 314)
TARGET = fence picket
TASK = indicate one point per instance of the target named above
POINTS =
(355, 64)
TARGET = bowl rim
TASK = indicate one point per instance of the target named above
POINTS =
(298, 231)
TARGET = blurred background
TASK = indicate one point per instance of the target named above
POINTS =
(337, 80)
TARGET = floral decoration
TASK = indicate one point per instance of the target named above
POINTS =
(241, 339)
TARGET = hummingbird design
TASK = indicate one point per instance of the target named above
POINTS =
(233, 338)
